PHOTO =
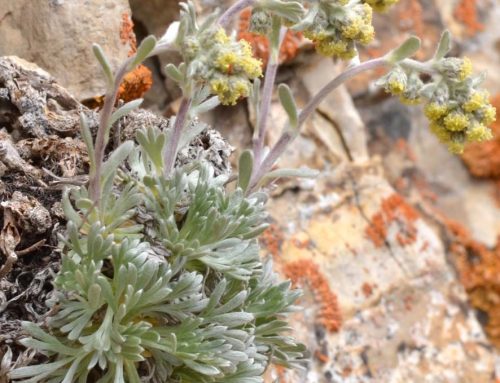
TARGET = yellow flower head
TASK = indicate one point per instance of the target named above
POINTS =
(456, 121)
(478, 132)
(221, 37)
(240, 60)
(455, 147)
(465, 69)
(229, 90)
(434, 111)
(396, 81)
(233, 67)
(396, 86)
(330, 47)
(409, 101)
(358, 26)
(353, 28)
(226, 61)
(440, 131)
(336, 33)
(489, 115)
(367, 34)
(476, 101)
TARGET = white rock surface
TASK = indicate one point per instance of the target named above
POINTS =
(412, 323)
(58, 36)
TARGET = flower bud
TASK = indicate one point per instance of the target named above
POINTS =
(260, 22)
(396, 81)
(455, 68)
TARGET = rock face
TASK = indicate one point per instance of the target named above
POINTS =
(58, 36)
(382, 300)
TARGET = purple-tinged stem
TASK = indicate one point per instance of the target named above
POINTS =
(336, 82)
(267, 94)
(271, 158)
(173, 143)
(235, 9)
(287, 137)
(103, 131)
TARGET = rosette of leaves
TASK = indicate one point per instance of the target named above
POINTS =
(183, 297)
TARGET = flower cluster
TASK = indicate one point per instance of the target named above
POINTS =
(233, 68)
(337, 27)
(381, 5)
(405, 85)
(227, 66)
(458, 111)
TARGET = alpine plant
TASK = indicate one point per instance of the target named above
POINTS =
(161, 278)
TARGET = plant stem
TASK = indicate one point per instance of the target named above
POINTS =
(267, 94)
(103, 132)
(287, 137)
(236, 8)
(336, 82)
(417, 66)
(173, 143)
(271, 158)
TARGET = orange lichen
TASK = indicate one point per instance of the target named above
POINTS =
(140, 80)
(411, 15)
(260, 44)
(479, 271)
(272, 240)
(135, 84)
(496, 192)
(483, 159)
(367, 289)
(127, 35)
(394, 209)
(307, 273)
(466, 13)
(281, 371)
(406, 150)
(323, 358)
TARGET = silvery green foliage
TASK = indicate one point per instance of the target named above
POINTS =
(161, 278)
(183, 297)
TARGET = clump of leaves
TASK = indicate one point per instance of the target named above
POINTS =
(161, 278)
(184, 297)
